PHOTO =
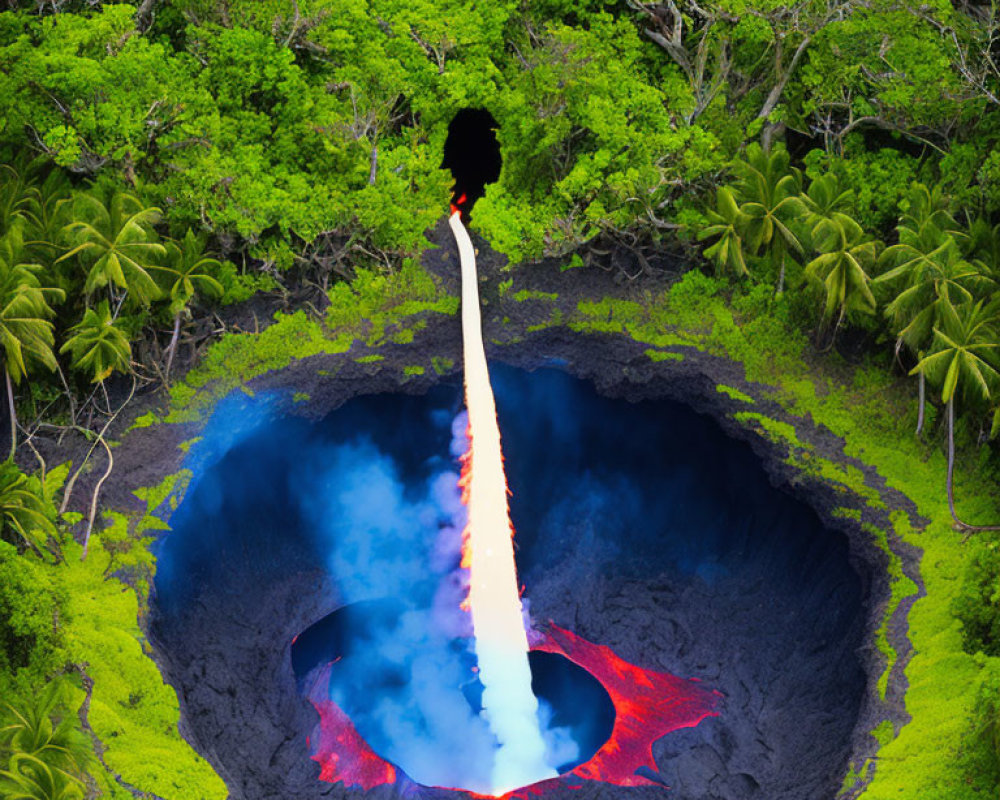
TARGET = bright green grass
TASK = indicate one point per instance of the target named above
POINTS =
(132, 711)
(734, 393)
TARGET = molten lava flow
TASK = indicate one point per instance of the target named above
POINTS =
(648, 705)
(343, 756)
(494, 601)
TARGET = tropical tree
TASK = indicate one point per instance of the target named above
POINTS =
(727, 225)
(16, 194)
(98, 345)
(825, 200)
(23, 510)
(188, 270)
(930, 205)
(30, 778)
(769, 193)
(48, 754)
(25, 330)
(965, 362)
(45, 212)
(116, 243)
(845, 257)
(928, 268)
(981, 246)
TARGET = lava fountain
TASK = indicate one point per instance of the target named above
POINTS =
(647, 704)
(501, 643)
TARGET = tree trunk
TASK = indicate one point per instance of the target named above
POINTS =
(93, 500)
(144, 15)
(951, 459)
(770, 132)
(781, 274)
(13, 415)
(951, 473)
(921, 382)
(173, 345)
(783, 75)
(373, 169)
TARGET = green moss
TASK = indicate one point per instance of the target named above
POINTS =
(663, 355)
(132, 711)
(414, 370)
(884, 732)
(185, 446)
(857, 777)
(527, 294)
(370, 359)
(145, 420)
(775, 430)
(734, 393)
(574, 262)
(300, 397)
(360, 310)
(441, 365)
(238, 358)
(364, 307)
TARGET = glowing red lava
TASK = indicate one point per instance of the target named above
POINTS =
(458, 204)
(648, 705)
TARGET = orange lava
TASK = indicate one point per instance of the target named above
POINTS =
(457, 205)
(648, 705)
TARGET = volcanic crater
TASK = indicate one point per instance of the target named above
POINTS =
(681, 540)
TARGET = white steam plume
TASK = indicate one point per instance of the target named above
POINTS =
(509, 704)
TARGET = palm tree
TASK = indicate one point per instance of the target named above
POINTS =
(824, 200)
(928, 263)
(25, 330)
(30, 778)
(33, 730)
(48, 755)
(932, 206)
(845, 256)
(98, 345)
(116, 243)
(16, 194)
(769, 190)
(189, 270)
(727, 222)
(23, 511)
(45, 213)
(964, 361)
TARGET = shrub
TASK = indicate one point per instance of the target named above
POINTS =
(978, 602)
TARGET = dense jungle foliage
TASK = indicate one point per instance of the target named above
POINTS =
(833, 162)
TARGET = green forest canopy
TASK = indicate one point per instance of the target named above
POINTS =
(835, 163)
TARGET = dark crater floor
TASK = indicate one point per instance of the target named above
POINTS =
(641, 526)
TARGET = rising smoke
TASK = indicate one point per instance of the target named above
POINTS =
(408, 682)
